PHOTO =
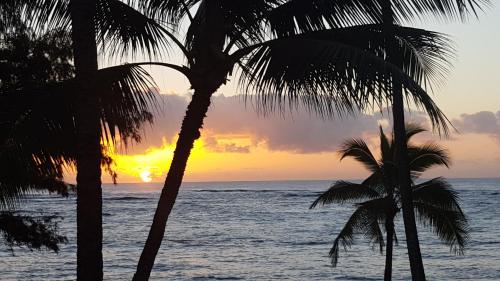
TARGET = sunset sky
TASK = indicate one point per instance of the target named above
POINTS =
(238, 144)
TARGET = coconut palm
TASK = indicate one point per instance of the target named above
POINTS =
(327, 55)
(378, 198)
(117, 104)
(390, 10)
(37, 139)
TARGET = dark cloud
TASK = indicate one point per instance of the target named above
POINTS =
(299, 132)
(483, 122)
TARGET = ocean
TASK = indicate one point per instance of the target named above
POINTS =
(254, 231)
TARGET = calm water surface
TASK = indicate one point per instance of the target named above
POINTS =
(254, 231)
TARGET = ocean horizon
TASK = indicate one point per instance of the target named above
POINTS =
(253, 230)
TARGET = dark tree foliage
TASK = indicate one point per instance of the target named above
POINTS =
(32, 232)
(37, 124)
(27, 63)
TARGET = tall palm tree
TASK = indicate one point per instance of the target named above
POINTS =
(38, 134)
(378, 198)
(88, 137)
(114, 100)
(328, 55)
(390, 9)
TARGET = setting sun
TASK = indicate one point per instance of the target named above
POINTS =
(146, 176)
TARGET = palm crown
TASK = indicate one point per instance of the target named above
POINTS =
(377, 197)
(283, 51)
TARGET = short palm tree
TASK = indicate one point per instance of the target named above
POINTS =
(378, 198)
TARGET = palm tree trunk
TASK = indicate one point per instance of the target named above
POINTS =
(88, 159)
(412, 242)
(389, 226)
(190, 131)
(404, 180)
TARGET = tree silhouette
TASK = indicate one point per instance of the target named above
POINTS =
(327, 55)
(28, 62)
(117, 28)
(39, 105)
(378, 197)
(390, 11)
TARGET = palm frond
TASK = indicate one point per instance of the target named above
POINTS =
(443, 9)
(450, 226)
(9, 15)
(297, 16)
(127, 94)
(422, 157)
(365, 220)
(332, 72)
(39, 15)
(123, 29)
(345, 192)
(243, 21)
(437, 205)
(412, 130)
(359, 150)
(437, 192)
(426, 55)
(284, 18)
(377, 182)
(169, 11)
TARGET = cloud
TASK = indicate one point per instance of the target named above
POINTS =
(483, 122)
(213, 144)
(298, 132)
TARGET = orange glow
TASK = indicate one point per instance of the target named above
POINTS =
(221, 158)
(238, 157)
(147, 166)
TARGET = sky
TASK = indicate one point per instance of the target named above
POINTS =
(239, 144)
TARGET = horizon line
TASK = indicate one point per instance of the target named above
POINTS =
(283, 180)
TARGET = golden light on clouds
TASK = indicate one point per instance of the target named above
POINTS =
(222, 158)
(208, 154)
(240, 157)
(147, 166)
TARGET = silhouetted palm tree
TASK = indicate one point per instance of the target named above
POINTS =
(378, 198)
(391, 10)
(115, 102)
(329, 55)
(285, 51)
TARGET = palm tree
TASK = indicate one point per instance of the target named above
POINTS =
(285, 51)
(117, 103)
(88, 137)
(328, 55)
(445, 9)
(378, 198)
